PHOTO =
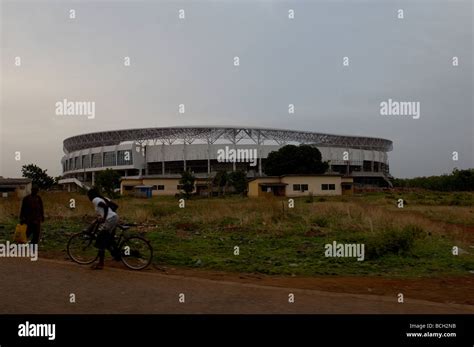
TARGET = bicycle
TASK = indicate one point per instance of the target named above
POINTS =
(135, 252)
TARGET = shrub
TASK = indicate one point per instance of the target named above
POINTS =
(392, 241)
(187, 181)
(320, 221)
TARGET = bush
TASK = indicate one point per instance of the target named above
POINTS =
(320, 221)
(392, 241)
(238, 180)
(187, 181)
(107, 181)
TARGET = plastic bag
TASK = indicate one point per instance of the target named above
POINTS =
(20, 234)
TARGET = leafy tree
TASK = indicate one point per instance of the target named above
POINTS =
(56, 179)
(38, 176)
(107, 181)
(291, 159)
(187, 181)
(221, 180)
(238, 180)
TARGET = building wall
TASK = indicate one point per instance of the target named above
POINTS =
(23, 190)
(314, 185)
(170, 185)
(129, 182)
(136, 158)
(254, 185)
(346, 181)
(176, 152)
(20, 190)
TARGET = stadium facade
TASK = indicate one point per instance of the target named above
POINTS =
(168, 151)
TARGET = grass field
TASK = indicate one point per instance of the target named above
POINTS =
(414, 241)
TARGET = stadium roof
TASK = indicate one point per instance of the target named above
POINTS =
(211, 134)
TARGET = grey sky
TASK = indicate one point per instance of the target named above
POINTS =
(282, 61)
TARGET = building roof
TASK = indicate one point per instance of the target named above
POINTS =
(299, 175)
(233, 134)
(14, 181)
(160, 177)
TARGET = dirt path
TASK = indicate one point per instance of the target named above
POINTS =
(45, 287)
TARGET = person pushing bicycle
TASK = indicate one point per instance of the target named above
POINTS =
(108, 221)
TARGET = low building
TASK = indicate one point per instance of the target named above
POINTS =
(160, 185)
(20, 187)
(300, 185)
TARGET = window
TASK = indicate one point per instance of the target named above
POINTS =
(180, 187)
(96, 160)
(328, 186)
(109, 159)
(161, 187)
(124, 158)
(86, 161)
(128, 187)
(300, 187)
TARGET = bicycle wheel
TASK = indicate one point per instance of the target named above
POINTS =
(136, 253)
(81, 248)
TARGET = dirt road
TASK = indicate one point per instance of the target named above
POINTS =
(46, 286)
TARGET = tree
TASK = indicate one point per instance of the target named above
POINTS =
(458, 180)
(38, 176)
(290, 159)
(107, 181)
(57, 179)
(238, 180)
(221, 180)
(187, 181)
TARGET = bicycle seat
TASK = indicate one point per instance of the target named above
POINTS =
(124, 227)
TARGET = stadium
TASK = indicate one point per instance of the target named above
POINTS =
(168, 151)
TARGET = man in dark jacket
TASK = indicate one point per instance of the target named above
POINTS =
(32, 214)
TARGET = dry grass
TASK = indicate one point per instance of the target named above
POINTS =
(266, 214)
(273, 236)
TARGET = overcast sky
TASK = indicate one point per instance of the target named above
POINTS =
(282, 61)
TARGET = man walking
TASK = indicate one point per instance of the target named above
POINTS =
(32, 214)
